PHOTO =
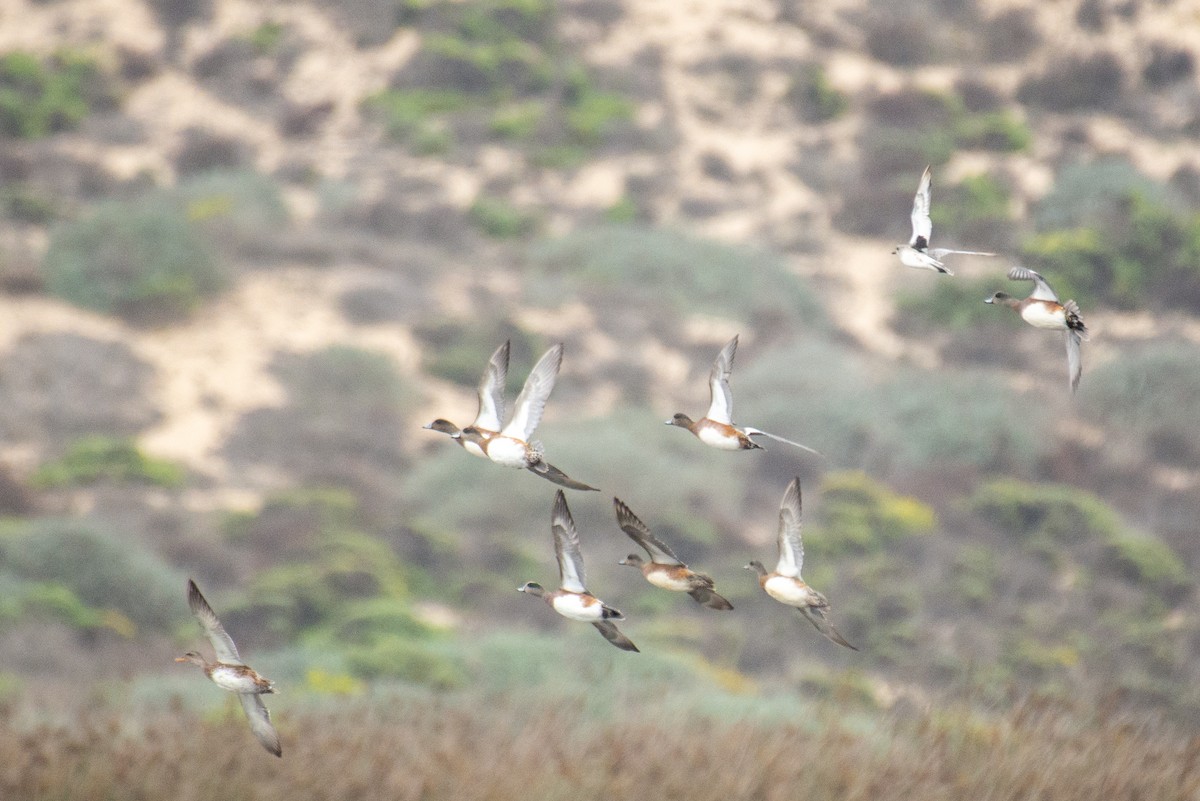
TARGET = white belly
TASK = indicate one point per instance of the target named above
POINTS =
(661, 579)
(233, 681)
(473, 448)
(1037, 315)
(578, 607)
(716, 439)
(508, 452)
(915, 258)
(788, 591)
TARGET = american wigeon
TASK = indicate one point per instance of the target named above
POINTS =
(230, 673)
(571, 599)
(664, 568)
(716, 427)
(1042, 309)
(917, 252)
(784, 583)
(513, 452)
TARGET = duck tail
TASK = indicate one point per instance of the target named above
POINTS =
(1074, 320)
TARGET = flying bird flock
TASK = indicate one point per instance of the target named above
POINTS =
(510, 444)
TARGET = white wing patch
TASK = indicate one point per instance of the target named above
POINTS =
(527, 413)
(921, 225)
(566, 546)
(720, 408)
(491, 391)
(791, 547)
(1041, 290)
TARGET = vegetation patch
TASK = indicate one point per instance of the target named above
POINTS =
(39, 97)
(143, 261)
(498, 66)
(110, 459)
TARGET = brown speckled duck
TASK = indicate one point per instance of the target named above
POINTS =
(665, 569)
(230, 673)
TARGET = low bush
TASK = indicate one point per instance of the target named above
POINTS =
(41, 97)
(632, 266)
(101, 458)
(342, 425)
(814, 98)
(1061, 514)
(143, 261)
(99, 567)
(1147, 399)
(863, 516)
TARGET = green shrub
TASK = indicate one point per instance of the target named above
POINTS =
(591, 114)
(40, 98)
(1140, 250)
(232, 208)
(814, 98)
(342, 426)
(414, 662)
(975, 572)
(673, 273)
(410, 115)
(519, 120)
(974, 212)
(499, 62)
(954, 306)
(1000, 131)
(1148, 562)
(100, 568)
(498, 218)
(1060, 514)
(143, 261)
(459, 353)
(859, 515)
(101, 458)
(1149, 397)
(860, 415)
(26, 203)
(1091, 192)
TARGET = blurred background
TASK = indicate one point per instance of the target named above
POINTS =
(247, 249)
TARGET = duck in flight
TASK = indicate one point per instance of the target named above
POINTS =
(230, 673)
(665, 569)
(571, 599)
(716, 428)
(1042, 309)
(488, 424)
(784, 583)
(917, 252)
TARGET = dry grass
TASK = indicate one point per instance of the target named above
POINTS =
(501, 750)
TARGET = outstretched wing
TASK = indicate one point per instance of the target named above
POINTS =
(756, 432)
(921, 225)
(614, 635)
(638, 531)
(1041, 290)
(260, 722)
(566, 546)
(816, 616)
(791, 547)
(527, 412)
(222, 643)
(491, 391)
(720, 407)
(552, 473)
(938, 253)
